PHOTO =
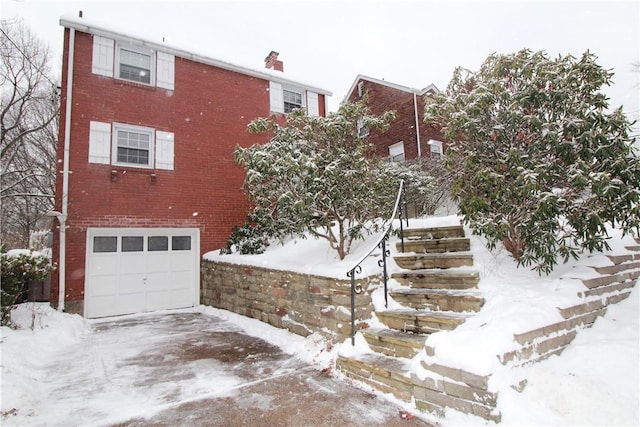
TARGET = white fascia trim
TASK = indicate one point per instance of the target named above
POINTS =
(79, 24)
(388, 84)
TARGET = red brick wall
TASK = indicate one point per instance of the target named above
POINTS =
(382, 98)
(208, 113)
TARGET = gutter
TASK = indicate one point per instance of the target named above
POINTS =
(415, 112)
(62, 218)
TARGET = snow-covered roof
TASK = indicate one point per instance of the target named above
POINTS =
(430, 88)
(111, 31)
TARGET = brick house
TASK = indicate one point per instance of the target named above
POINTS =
(408, 136)
(147, 182)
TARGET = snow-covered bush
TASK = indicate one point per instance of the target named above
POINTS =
(544, 166)
(246, 239)
(19, 268)
(317, 176)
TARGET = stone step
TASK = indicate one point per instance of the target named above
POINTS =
(383, 373)
(605, 280)
(394, 343)
(445, 388)
(437, 279)
(422, 322)
(453, 244)
(619, 259)
(434, 260)
(433, 232)
(438, 299)
(617, 268)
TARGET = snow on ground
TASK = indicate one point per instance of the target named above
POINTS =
(594, 382)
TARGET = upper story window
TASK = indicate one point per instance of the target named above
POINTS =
(360, 89)
(135, 64)
(292, 100)
(363, 131)
(435, 148)
(285, 99)
(133, 145)
(396, 152)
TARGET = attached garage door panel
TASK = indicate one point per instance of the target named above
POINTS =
(137, 270)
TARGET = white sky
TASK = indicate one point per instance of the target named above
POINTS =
(328, 43)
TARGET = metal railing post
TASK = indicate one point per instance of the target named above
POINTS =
(383, 263)
(354, 290)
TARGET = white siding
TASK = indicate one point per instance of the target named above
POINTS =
(165, 70)
(275, 97)
(164, 150)
(102, 62)
(99, 142)
(313, 108)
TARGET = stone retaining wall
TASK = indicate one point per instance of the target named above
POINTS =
(300, 303)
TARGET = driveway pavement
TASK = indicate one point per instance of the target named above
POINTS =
(192, 369)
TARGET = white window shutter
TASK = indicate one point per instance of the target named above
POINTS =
(275, 97)
(165, 70)
(313, 109)
(164, 150)
(99, 142)
(103, 49)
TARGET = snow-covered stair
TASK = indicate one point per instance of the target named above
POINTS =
(438, 292)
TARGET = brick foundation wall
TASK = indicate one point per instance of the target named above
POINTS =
(300, 303)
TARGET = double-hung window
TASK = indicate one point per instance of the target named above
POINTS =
(130, 145)
(135, 64)
(292, 100)
(133, 145)
(396, 152)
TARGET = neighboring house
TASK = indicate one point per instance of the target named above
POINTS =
(408, 137)
(147, 181)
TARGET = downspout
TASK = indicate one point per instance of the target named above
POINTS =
(415, 112)
(65, 174)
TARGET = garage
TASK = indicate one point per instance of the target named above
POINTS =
(132, 270)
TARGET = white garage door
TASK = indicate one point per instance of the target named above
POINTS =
(131, 270)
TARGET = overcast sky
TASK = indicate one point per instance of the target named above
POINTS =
(328, 43)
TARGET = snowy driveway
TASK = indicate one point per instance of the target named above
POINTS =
(185, 368)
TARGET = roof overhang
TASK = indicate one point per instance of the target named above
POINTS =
(85, 26)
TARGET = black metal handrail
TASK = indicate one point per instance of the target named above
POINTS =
(381, 243)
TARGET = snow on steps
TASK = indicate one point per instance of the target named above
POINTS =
(439, 296)
(438, 260)
(438, 299)
(452, 244)
(613, 284)
(448, 388)
(438, 279)
(388, 369)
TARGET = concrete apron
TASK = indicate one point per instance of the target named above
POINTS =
(193, 369)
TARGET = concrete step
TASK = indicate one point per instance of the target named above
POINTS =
(394, 343)
(438, 279)
(433, 232)
(421, 322)
(453, 244)
(438, 299)
(434, 260)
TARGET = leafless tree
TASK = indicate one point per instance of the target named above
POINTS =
(28, 136)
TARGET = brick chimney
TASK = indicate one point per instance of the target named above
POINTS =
(271, 61)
